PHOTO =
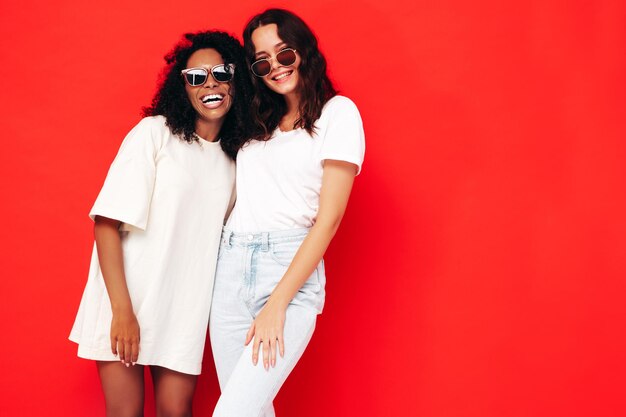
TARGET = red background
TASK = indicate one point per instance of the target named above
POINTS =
(480, 268)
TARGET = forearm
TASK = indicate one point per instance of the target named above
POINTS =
(337, 183)
(109, 246)
(304, 263)
(267, 328)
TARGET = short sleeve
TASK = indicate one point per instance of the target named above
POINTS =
(343, 136)
(127, 190)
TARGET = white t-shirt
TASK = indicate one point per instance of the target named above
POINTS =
(172, 197)
(279, 180)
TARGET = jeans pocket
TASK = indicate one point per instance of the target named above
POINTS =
(313, 283)
(283, 253)
(312, 293)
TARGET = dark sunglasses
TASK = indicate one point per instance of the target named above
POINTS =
(263, 67)
(222, 73)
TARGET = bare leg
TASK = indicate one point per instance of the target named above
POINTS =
(173, 392)
(123, 389)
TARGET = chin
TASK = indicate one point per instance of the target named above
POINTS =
(284, 89)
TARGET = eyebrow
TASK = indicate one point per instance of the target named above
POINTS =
(279, 45)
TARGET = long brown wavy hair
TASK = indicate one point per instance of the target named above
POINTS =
(314, 86)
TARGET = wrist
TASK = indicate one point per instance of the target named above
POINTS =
(122, 308)
(278, 301)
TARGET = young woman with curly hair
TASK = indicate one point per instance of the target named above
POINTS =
(158, 220)
(293, 183)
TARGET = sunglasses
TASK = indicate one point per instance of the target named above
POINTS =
(263, 67)
(222, 73)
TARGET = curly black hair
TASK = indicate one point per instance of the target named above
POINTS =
(171, 100)
(315, 87)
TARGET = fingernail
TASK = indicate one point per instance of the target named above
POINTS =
(127, 364)
(134, 363)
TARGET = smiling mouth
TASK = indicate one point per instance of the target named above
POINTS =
(282, 76)
(212, 98)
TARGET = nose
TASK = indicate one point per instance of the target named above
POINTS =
(210, 82)
(275, 63)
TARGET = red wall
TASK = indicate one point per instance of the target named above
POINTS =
(480, 268)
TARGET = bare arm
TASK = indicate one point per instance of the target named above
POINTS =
(337, 181)
(124, 325)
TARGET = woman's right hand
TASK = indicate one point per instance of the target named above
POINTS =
(125, 337)
(124, 325)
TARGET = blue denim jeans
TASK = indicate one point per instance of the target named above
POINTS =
(248, 269)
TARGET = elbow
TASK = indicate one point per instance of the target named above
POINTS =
(329, 225)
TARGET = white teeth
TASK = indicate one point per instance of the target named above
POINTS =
(212, 97)
(281, 76)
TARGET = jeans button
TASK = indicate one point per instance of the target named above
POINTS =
(250, 237)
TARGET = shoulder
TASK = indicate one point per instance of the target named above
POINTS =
(340, 104)
(339, 110)
(155, 124)
(151, 132)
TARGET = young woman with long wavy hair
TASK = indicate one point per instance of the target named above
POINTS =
(294, 178)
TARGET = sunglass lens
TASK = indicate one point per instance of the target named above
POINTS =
(196, 77)
(222, 73)
(286, 57)
(261, 68)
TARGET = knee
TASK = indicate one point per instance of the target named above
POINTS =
(174, 409)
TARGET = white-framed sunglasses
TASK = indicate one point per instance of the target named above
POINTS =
(222, 73)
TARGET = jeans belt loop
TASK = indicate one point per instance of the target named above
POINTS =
(265, 237)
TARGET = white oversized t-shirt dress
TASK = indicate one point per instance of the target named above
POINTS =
(172, 198)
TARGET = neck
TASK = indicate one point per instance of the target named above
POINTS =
(208, 131)
(293, 102)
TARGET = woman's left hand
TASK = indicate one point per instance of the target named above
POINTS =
(267, 329)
